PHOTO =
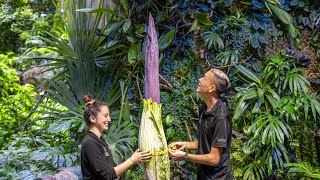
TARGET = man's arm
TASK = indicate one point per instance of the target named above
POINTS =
(192, 145)
(185, 145)
(211, 159)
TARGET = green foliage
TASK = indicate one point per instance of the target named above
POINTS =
(17, 102)
(57, 157)
(21, 19)
(304, 169)
(269, 113)
(16, 159)
(228, 58)
(121, 140)
(237, 158)
(273, 99)
(254, 170)
(269, 128)
(213, 39)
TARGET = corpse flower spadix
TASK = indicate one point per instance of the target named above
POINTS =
(151, 134)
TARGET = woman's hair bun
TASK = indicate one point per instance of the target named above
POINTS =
(88, 99)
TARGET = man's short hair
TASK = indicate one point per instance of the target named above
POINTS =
(221, 80)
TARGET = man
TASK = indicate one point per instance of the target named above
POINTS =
(214, 131)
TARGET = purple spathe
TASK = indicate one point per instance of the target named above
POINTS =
(151, 82)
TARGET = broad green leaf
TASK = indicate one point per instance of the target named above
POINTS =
(203, 18)
(126, 25)
(133, 53)
(39, 156)
(292, 30)
(193, 27)
(112, 27)
(260, 95)
(239, 109)
(60, 126)
(280, 13)
(248, 74)
(166, 39)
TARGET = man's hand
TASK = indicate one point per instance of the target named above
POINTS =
(177, 154)
(179, 145)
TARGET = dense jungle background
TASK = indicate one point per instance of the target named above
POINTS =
(53, 52)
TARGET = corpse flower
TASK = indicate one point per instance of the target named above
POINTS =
(151, 133)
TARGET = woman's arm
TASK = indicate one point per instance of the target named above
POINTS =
(136, 157)
(123, 167)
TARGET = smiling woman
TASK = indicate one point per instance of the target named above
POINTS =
(96, 158)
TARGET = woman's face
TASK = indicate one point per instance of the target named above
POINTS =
(102, 120)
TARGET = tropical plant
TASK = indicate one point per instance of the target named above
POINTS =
(269, 113)
(84, 67)
(304, 169)
(228, 58)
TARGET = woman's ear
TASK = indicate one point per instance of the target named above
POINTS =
(92, 119)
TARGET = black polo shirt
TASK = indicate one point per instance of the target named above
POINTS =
(215, 130)
(96, 159)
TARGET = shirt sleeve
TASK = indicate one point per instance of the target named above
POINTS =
(220, 133)
(98, 161)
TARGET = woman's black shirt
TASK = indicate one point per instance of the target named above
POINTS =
(96, 159)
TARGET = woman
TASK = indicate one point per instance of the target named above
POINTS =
(96, 157)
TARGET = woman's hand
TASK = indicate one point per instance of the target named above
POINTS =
(179, 145)
(140, 156)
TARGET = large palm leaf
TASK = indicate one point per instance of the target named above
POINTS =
(256, 96)
(254, 170)
(84, 67)
(297, 83)
(270, 128)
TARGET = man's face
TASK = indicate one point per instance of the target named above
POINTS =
(206, 83)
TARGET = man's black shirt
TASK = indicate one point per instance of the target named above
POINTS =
(96, 159)
(215, 130)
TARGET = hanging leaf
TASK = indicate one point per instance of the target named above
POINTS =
(248, 73)
(166, 39)
(280, 13)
